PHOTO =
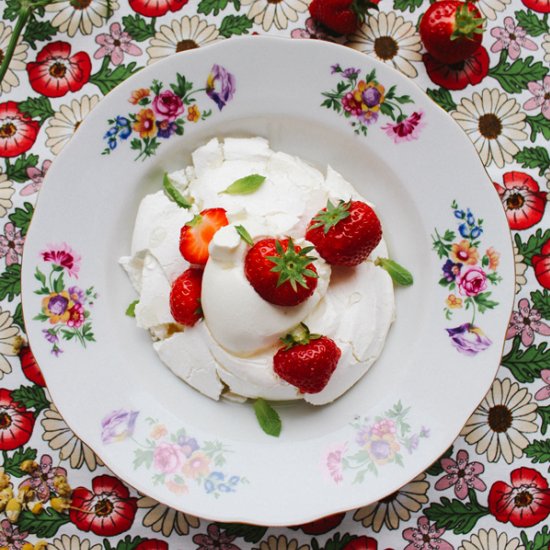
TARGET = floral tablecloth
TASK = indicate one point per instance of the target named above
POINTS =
(490, 489)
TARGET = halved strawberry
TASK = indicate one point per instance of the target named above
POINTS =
(185, 297)
(307, 361)
(281, 272)
(196, 235)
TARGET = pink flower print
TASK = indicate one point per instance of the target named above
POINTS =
(36, 176)
(425, 537)
(42, 479)
(472, 282)
(525, 322)
(544, 392)
(64, 256)
(312, 30)
(168, 458)
(541, 97)
(461, 474)
(383, 427)
(10, 536)
(406, 130)
(511, 37)
(116, 44)
(11, 244)
(334, 464)
(215, 539)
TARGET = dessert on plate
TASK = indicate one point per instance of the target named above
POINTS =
(261, 277)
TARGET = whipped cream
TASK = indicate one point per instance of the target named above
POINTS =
(231, 351)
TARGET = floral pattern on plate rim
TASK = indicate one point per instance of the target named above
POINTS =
(467, 276)
(65, 308)
(362, 101)
(164, 111)
(176, 458)
(378, 441)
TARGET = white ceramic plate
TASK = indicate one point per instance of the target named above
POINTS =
(326, 104)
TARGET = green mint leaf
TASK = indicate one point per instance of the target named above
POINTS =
(10, 282)
(534, 157)
(539, 125)
(513, 78)
(138, 28)
(459, 516)
(443, 98)
(541, 302)
(532, 24)
(44, 525)
(31, 397)
(525, 365)
(398, 273)
(235, 25)
(38, 31)
(245, 235)
(21, 217)
(544, 413)
(268, 417)
(173, 193)
(250, 533)
(533, 244)
(12, 464)
(106, 79)
(18, 170)
(131, 309)
(245, 186)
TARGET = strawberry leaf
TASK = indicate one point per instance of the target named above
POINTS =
(244, 234)
(398, 273)
(173, 193)
(268, 417)
(245, 186)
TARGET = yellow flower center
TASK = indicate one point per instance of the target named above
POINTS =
(103, 507)
(58, 70)
(184, 45)
(515, 201)
(5, 421)
(385, 47)
(490, 126)
(8, 130)
(523, 499)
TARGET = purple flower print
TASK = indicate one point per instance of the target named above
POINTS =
(407, 129)
(77, 294)
(220, 86)
(511, 37)
(468, 339)
(10, 537)
(215, 539)
(11, 244)
(525, 322)
(50, 335)
(461, 474)
(116, 44)
(118, 425)
(168, 105)
(166, 128)
(451, 270)
(188, 445)
(42, 478)
(541, 97)
(425, 537)
(36, 176)
(544, 392)
(57, 305)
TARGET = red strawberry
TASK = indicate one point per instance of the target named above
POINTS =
(340, 16)
(185, 297)
(451, 30)
(307, 361)
(345, 234)
(30, 367)
(281, 272)
(196, 235)
(541, 265)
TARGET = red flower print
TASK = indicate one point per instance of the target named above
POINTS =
(17, 131)
(522, 199)
(542, 6)
(461, 474)
(56, 72)
(457, 76)
(63, 256)
(524, 503)
(541, 264)
(156, 8)
(152, 544)
(16, 423)
(106, 510)
(215, 539)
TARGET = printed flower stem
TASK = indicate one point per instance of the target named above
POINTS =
(24, 15)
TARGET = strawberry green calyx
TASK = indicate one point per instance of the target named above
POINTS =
(292, 265)
(362, 7)
(331, 215)
(467, 24)
(299, 336)
(197, 218)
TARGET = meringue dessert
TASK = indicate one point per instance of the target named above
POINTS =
(229, 352)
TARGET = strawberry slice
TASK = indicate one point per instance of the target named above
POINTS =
(196, 235)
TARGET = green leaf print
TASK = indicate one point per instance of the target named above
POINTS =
(534, 157)
(513, 78)
(138, 28)
(525, 365)
(12, 464)
(533, 244)
(443, 98)
(541, 302)
(235, 25)
(531, 23)
(45, 524)
(538, 451)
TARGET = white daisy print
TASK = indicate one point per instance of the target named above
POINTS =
(162, 519)
(6, 193)
(278, 13)
(498, 426)
(81, 15)
(17, 63)
(491, 8)
(494, 123)
(63, 125)
(9, 337)
(186, 34)
(391, 39)
(546, 47)
(65, 542)
(491, 540)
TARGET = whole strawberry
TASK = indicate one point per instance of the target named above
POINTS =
(185, 297)
(196, 235)
(451, 30)
(281, 272)
(345, 234)
(340, 16)
(307, 361)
